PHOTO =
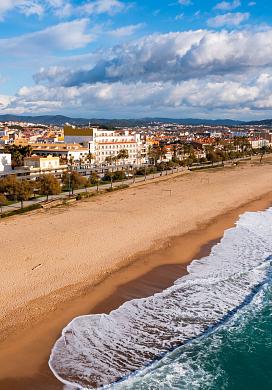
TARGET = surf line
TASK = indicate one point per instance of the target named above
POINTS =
(212, 328)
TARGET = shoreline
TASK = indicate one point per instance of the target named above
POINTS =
(24, 355)
(142, 278)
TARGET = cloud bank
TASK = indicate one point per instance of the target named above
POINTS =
(180, 74)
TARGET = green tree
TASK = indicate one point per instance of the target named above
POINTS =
(18, 153)
(48, 185)
(264, 149)
(122, 155)
(24, 191)
(73, 181)
(109, 159)
(8, 186)
(90, 157)
(213, 156)
(3, 202)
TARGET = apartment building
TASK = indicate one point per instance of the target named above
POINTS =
(65, 151)
(258, 143)
(108, 143)
(103, 143)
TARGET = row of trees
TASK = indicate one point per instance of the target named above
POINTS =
(13, 189)
(185, 154)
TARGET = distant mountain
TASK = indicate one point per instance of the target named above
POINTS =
(265, 122)
(196, 121)
(60, 120)
(43, 119)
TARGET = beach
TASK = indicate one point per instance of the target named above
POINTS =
(53, 262)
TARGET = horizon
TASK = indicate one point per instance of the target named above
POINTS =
(124, 59)
(134, 118)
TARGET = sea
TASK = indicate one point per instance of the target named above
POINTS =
(212, 329)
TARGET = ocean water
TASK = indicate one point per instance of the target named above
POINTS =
(211, 330)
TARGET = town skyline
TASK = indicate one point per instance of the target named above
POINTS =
(123, 59)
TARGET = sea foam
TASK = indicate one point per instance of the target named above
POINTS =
(97, 350)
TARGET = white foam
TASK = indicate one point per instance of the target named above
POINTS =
(97, 350)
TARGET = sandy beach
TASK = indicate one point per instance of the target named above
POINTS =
(51, 261)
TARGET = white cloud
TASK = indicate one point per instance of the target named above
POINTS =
(50, 39)
(125, 31)
(27, 7)
(5, 100)
(229, 19)
(171, 57)
(185, 2)
(109, 7)
(185, 73)
(151, 98)
(61, 8)
(228, 5)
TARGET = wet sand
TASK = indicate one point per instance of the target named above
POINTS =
(23, 357)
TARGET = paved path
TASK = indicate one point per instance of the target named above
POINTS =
(65, 194)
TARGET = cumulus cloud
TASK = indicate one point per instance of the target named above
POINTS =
(176, 73)
(172, 57)
(150, 98)
(228, 5)
(49, 39)
(5, 101)
(229, 19)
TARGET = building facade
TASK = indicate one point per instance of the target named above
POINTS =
(103, 144)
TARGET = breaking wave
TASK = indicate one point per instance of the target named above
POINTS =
(97, 350)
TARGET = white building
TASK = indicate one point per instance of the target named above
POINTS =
(48, 162)
(65, 151)
(108, 143)
(257, 143)
(104, 143)
(40, 164)
(5, 162)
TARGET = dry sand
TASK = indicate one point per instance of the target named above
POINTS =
(79, 246)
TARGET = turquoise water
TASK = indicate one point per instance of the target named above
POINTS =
(236, 356)
(211, 330)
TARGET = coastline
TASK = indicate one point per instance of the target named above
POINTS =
(140, 275)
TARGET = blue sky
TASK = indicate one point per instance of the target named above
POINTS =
(121, 58)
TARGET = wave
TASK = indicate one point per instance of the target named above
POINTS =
(97, 350)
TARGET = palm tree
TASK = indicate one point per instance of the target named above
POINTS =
(71, 160)
(90, 157)
(264, 150)
(122, 155)
(109, 159)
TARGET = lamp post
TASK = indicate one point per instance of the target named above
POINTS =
(69, 183)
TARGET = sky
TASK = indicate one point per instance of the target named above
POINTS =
(134, 59)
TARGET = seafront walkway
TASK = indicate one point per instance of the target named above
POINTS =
(131, 182)
(138, 180)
